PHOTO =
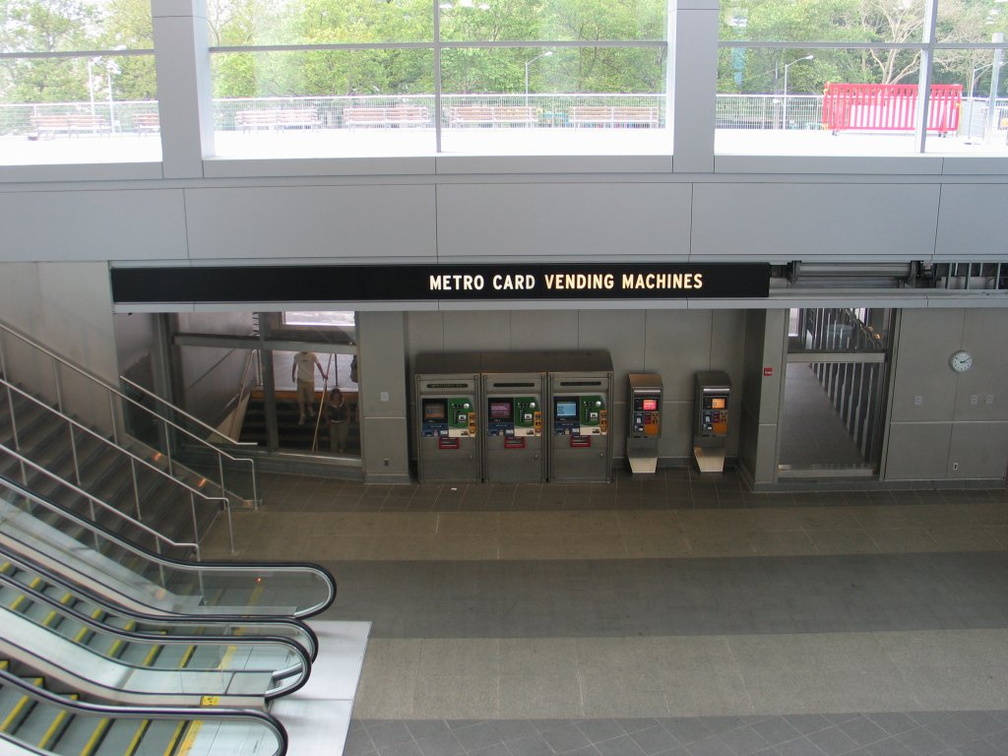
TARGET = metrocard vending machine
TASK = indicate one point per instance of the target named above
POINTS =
(579, 402)
(446, 419)
(711, 420)
(644, 399)
(512, 428)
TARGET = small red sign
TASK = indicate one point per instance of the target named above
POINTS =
(768, 372)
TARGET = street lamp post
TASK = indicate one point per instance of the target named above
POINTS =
(784, 106)
(992, 121)
(527, 64)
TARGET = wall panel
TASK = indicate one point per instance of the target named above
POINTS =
(279, 223)
(65, 226)
(969, 228)
(783, 221)
(577, 221)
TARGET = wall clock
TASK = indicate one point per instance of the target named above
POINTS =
(961, 361)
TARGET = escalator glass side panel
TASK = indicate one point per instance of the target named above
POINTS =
(135, 577)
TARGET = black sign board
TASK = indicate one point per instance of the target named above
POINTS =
(391, 283)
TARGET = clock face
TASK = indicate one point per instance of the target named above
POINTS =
(961, 361)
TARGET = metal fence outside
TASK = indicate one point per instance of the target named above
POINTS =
(733, 111)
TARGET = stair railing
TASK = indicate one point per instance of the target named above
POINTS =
(117, 400)
(95, 503)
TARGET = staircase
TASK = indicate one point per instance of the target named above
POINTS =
(290, 434)
(136, 483)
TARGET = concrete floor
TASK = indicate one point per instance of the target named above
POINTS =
(674, 614)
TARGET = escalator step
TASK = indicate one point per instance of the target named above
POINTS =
(20, 707)
(59, 725)
(20, 602)
(37, 723)
(83, 735)
(138, 737)
(116, 737)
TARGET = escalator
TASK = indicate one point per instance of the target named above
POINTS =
(121, 659)
(41, 586)
(148, 583)
(38, 717)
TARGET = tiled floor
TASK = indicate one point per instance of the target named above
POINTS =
(675, 614)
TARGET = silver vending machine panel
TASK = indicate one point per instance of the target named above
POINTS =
(579, 402)
(446, 425)
(711, 420)
(644, 400)
(512, 428)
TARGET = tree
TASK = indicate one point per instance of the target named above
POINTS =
(52, 26)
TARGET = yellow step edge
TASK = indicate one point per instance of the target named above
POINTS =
(176, 744)
(21, 598)
(96, 737)
(50, 734)
(79, 637)
(138, 736)
(187, 657)
(19, 707)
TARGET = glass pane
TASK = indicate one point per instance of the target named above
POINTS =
(32, 26)
(495, 20)
(823, 21)
(983, 80)
(81, 553)
(325, 102)
(839, 101)
(259, 22)
(838, 330)
(317, 406)
(79, 109)
(569, 100)
(965, 21)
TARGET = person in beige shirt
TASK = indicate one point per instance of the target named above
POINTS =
(303, 372)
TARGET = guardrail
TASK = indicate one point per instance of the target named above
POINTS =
(74, 390)
(552, 110)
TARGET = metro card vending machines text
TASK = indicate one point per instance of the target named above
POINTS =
(711, 420)
(512, 428)
(579, 402)
(644, 400)
(446, 418)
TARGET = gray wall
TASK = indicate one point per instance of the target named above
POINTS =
(946, 425)
(65, 307)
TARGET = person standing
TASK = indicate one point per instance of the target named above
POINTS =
(303, 372)
(339, 421)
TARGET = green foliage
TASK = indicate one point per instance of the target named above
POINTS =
(68, 25)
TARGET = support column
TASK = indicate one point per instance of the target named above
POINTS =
(692, 83)
(182, 61)
(381, 370)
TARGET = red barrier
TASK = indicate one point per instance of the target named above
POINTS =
(889, 107)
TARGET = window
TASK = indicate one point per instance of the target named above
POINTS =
(82, 69)
(413, 77)
(834, 77)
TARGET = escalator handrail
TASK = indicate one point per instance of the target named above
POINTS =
(318, 570)
(144, 712)
(217, 620)
(301, 667)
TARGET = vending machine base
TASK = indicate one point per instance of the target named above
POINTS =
(709, 460)
(643, 466)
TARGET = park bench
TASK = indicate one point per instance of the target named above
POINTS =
(492, 115)
(608, 116)
(382, 118)
(147, 123)
(275, 120)
(69, 124)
